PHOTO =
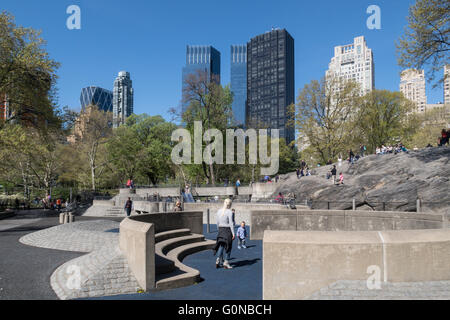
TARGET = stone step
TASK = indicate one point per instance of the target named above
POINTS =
(183, 275)
(171, 234)
(163, 247)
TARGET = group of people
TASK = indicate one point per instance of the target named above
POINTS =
(226, 235)
(303, 170)
(391, 149)
(129, 206)
(57, 204)
(332, 174)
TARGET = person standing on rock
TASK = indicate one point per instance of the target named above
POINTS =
(128, 206)
(225, 235)
(333, 174)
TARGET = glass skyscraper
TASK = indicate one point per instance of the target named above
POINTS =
(100, 97)
(122, 98)
(200, 58)
(270, 82)
(239, 81)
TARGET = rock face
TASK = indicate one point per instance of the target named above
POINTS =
(379, 182)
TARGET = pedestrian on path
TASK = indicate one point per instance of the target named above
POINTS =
(128, 206)
(225, 235)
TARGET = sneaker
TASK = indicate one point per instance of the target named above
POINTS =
(243, 246)
(226, 265)
(239, 247)
(217, 263)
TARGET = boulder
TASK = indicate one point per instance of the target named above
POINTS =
(379, 182)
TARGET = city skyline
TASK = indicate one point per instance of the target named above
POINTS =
(156, 73)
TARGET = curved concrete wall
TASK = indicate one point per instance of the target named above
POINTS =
(243, 210)
(137, 239)
(340, 220)
(299, 263)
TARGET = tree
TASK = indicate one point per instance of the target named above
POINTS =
(324, 116)
(209, 103)
(431, 123)
(385, 118)
(92, 135)
(27, 75)
(142, 147)
(426, 39)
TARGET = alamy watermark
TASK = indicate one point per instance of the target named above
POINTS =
(374, 20)
(182, 152)
(74, 20)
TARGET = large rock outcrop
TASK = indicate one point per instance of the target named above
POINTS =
(380, 182)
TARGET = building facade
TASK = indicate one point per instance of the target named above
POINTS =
(447, 84)
(100, 97)
(354, 62)
(270, 82)
(200, 59)
(412, 85)
(123, 95)
(4, 108)
(238, 77)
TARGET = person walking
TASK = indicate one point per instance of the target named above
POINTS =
(333, 174)
(128, 206)
(225, 235)
(351, 156)
(241, 235)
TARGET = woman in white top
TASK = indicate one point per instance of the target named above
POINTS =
(225, 236)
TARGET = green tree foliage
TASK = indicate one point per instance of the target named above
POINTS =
(27, 74)
(324, 117)
(384, 118)
(141, 149)
(209, 103)
(429, 130)
(426, 39)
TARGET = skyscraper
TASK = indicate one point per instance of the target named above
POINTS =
(270, 82)
(239, 81)
(100, 97)
(122, 98)
(447, 84)
(200, 59)
(354, 62)
(4, 110)
(412, 85)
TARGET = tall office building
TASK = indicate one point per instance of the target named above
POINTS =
(412, 85)
(354, 62)
(4, 110)
(122, 98)
(239, 81)
(100, 97)
(447, 84)
(200, 59)
(270, 82)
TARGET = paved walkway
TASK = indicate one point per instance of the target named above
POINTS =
(104, 271)
(25, 271)
(357, 290)
(243, 282)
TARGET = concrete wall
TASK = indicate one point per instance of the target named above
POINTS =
(243, 210)
(299, 263)
(137, 239)
(137, 242)
(108, 203)
(262, 190)
(166, 221)
(339, 220)
(163, 192)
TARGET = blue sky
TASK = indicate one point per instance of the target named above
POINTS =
(149, 38)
